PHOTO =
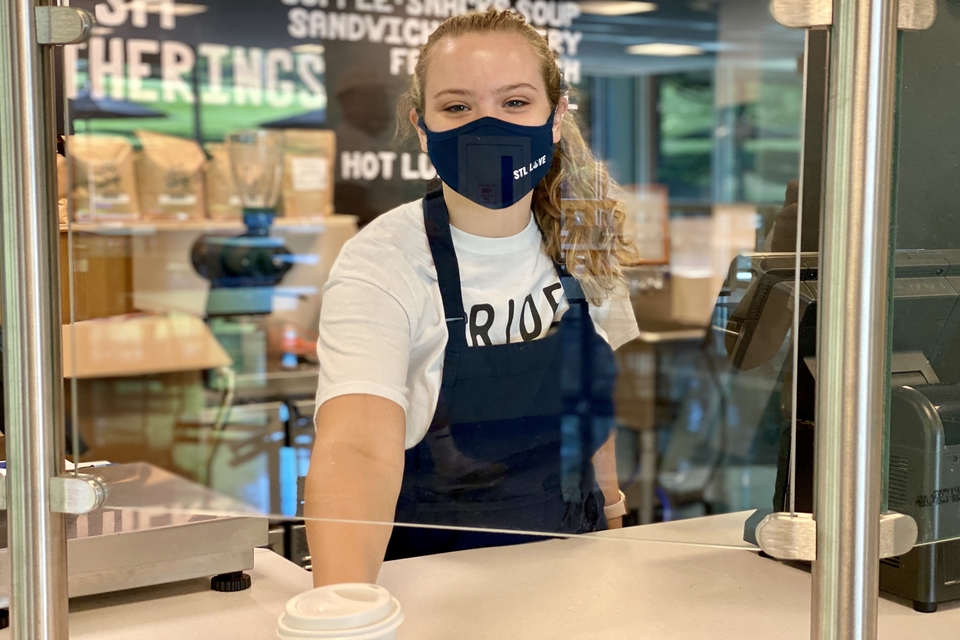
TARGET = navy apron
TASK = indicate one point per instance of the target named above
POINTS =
(516, 426)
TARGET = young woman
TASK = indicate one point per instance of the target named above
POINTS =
(466, 377)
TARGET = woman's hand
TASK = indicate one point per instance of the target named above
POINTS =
(615, 523)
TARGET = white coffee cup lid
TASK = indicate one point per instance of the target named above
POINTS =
(341, 611)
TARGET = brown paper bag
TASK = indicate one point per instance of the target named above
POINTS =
(62, 188)
(169, 177)
(104, 178)
(308, 163)
(223, 197)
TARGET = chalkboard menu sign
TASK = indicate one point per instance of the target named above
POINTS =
(209, 67)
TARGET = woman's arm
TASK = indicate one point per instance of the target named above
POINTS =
(355, 474)
(605, 465)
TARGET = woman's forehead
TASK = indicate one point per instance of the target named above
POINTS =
(482, 62)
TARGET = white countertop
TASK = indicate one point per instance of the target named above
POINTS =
(610, 587)
(190, 610)
(590, 587)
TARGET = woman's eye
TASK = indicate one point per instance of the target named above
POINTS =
(456, 108)
(515, 104)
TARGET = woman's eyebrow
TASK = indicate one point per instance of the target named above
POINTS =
(455, 92)
(506, 89)
(513, 87)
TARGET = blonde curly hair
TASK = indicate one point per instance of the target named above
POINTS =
(577, 205)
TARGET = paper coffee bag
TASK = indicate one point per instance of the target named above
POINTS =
(308, 163)
(62, 188)
(104, 178)
(170, 177)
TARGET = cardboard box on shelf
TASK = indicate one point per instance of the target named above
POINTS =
(308, 162)
(702, 248)
(137, 378)
(693, 299)
(101, 276)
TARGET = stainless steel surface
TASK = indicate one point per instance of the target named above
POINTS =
(63, 25)
(142, 486)
(30, 299)
(114, 549)
(794, 536)
(913, 15)
(76, 493)
(803, 14)
(788, 536)
(853, 372)
(916, 15)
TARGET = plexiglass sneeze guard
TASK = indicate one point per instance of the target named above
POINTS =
(217, 159)
(197, 352)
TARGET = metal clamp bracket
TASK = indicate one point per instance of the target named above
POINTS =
(787, 537)
(63, 25)
(76, 494)
(914, 15)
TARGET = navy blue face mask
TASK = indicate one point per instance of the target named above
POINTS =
(491, 162)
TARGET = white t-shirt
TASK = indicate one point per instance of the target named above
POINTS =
(382, 327)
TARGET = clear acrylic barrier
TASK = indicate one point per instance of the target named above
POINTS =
(196, 375)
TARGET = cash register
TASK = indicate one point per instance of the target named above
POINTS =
(923, 472)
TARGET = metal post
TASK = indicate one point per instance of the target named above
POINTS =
(852, 364)
(30, 298)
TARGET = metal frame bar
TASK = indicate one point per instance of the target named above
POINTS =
(853, 368)
(30, 299)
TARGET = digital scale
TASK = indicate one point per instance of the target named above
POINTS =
(175, 535)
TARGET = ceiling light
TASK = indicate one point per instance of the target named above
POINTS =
(308, 48)
(664, 49)
(615, 7)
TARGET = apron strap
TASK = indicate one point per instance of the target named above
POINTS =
(436, 221)
(571, 286)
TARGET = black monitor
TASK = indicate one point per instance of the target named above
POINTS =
(926, 315)
(926, 348)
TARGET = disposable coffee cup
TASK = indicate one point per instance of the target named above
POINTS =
(341, 612)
